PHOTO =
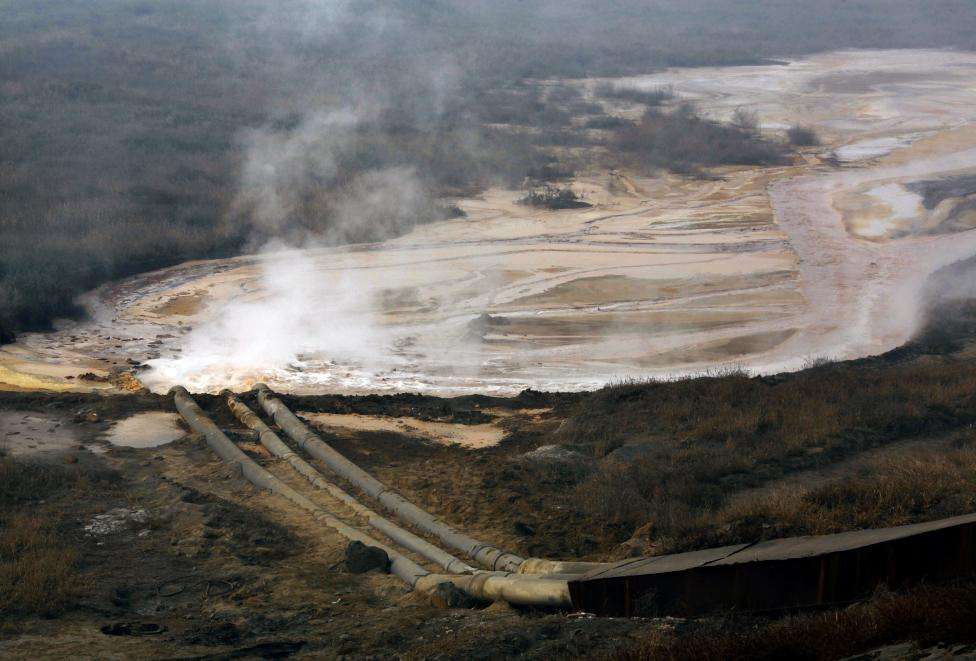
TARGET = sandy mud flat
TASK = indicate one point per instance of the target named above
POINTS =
(36, 435)
(444, 433)
(763, 268)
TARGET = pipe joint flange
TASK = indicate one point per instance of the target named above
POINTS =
(508, 562)
(478, 583)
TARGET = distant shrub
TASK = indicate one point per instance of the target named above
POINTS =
(746, 120)
(569, 97)
(552, 197)
(814, 362)
(451, 211)
(585, 108)
(525, 106)
(559, 138)
(801, 136)
(683, 141)
(551, 171)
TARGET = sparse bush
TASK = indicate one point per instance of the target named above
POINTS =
(559, 138)
(745, 119)
(552, 197)
(813, 362)
(684, 141)
(585, 108)
(452, 211)
(551, 171)
(570, 98)
(525, 105)
(801, 136)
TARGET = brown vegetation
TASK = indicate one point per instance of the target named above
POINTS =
(683, 141)
(661, 461)
(802, 136)
(554, 198)
(926, 615)
(39, 572)
(692, 443)
(888, 492)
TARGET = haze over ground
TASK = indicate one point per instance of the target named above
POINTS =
(601, 283)
(128, 124)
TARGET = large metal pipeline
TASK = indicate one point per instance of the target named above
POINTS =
(485, 554)
(401, 566)
(565, 567)
(490, 586)
(399, 535)
(537, 591)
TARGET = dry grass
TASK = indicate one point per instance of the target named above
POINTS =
(925, 485)
(925, 615)
(39, 571)
(25, 482)
(691, 444)
(39, 574)
(777, 415)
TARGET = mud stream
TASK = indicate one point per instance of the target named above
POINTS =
(763, 269)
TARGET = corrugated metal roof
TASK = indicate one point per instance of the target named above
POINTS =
(771, 550)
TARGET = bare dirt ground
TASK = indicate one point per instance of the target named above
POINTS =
(469, 436)
(178, 541)
(662, 276)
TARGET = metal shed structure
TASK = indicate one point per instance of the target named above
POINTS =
(782, 574)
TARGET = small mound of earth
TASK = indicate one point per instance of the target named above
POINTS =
(146, 430)
(30, 434)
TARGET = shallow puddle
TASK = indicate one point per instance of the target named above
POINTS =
(145, 430)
